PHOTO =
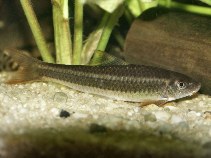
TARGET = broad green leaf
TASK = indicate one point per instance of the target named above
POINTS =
(98, 39)
(136, 7)
(91, 45)
(107, 5)
(206, 1)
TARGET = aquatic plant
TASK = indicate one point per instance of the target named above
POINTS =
(76, 51)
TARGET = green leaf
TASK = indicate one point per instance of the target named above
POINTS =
(107, 5)
(136, 7)
(98, 39)
(91, 45)
(206, 1)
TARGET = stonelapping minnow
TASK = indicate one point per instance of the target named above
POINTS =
(134, 83)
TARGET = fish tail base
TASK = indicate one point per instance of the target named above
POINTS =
(27, 70)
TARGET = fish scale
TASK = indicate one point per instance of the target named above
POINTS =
(136, 83)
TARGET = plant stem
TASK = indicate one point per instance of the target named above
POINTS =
(119, 38)
(108, 27)
(78, 32)
(98, 39)
(186, 7)
(129, 17)
(36, 30)
(62, 34)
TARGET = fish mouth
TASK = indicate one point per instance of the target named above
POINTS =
(196, 89)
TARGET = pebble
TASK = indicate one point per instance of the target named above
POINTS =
(96, 128)
(55, 111)
(60, 97)
(201, 103)
(136, 109)
(21, 86)
(183, 126)
(207, 115)
(193, 114)
(162, 115)
(165, 129)
(130, 113)
(64, 114)
(78, 115)
(132, 125)
(42, 103)
(150, 117)
(175, 119)
(171, 108)
(151, 107)
(113, 122)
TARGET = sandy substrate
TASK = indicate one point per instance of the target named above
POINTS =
(42, 105)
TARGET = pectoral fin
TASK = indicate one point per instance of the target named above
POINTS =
(158, 103)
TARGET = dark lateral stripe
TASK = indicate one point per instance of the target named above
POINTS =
(124, 84)
(118, 73)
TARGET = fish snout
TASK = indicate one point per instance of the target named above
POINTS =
(197, 87)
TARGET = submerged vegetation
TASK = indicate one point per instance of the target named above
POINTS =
(70, 46)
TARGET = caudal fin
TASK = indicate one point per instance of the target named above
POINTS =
(27, 70)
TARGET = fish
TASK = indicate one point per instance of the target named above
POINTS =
(132, 83)
(6, 63)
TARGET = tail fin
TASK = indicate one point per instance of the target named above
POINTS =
(27, 70)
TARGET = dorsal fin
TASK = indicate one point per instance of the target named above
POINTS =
(103, 58)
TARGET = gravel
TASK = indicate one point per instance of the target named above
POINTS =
(39, 105)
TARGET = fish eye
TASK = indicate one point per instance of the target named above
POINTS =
(181, 85)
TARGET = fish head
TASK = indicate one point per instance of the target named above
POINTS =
(181, 86)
